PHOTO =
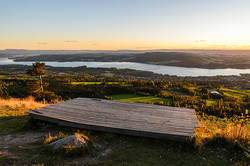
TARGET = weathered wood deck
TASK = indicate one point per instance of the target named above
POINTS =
(137, 119)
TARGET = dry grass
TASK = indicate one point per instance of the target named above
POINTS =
(51, 138)
(234, 132)
(29, 103)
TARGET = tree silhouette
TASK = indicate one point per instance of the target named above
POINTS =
(37, 71)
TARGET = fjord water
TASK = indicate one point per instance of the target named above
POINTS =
(160, 69)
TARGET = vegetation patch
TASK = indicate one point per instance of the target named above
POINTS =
(210, 102)
(28, 103)
(12, 125)
(12, 119)
(13, 116)
(241, 94)
(139, 98)
(235, 132)
(99, 83)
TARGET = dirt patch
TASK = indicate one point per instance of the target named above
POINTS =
(21, 138)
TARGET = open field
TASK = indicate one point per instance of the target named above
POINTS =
(210, 102)
(235, 93)
(98, 83)
(138, 98)
(92, 83)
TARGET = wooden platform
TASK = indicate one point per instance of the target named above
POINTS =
(137, 119)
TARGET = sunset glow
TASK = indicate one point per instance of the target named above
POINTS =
(130, 24)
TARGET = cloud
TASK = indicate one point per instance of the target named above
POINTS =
(201, 41)
(42, 43)
(71, 41)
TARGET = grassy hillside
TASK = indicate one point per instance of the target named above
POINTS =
(217, 143)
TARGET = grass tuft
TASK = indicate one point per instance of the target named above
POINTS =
(51, 138)
(234, 132)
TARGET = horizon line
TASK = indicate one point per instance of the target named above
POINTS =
(125, 49)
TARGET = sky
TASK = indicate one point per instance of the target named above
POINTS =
(124, 24)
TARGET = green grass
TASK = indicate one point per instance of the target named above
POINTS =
(172, 91)
(210, 102)
(138, 98)
(85, 83)
(12, 119)
(147, 152)
(193, 87)
(241, 94)
(98, 83)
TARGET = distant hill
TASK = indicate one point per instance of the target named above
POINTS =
(198, 60)
(181, 59)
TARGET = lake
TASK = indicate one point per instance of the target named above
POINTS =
(160, 69)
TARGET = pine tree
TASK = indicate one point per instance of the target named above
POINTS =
(37, 71)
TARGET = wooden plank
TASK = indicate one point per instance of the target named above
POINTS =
(110, 117)
(120, 123)
(182, 122)
(76, 120)
(107, 117)
(115, 125)
(119, 112)
(132, 105)
(104, 129)
(126, 104)
(122, 117)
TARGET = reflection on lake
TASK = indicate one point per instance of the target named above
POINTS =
(170, 70)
